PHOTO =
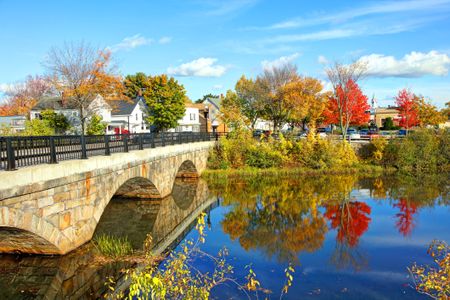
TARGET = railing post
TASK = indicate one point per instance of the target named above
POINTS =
(107, 149)
(52, 150)
(152, 140)
(125, 143)
(141, 141)
(11, 158)
(83, 147)
(163, 142)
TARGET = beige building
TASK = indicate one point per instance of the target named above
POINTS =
(382, 113)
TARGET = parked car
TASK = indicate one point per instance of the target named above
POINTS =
(353, 133)
(364, 132)
(402, 132)
(322, 132)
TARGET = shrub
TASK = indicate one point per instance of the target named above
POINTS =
(422, 151)
(263, 156)
(111, 246)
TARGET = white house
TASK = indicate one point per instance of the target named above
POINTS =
(190, 121)
(121, 116)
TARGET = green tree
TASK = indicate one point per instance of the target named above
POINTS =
(58, 122)
(164, 96)
(251, 94)
(389, 124)
(38, 127)
(201, 100)
(96, 126)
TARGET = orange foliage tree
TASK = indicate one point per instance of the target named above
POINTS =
(80, 73)
(23, 96)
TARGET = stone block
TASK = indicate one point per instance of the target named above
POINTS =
(52, 209)
(62, 196)
(43, 202)
(64, 220)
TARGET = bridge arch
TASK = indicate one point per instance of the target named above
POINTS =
(27, 232)
(63, 203)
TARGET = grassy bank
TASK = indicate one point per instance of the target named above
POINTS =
(362, 169)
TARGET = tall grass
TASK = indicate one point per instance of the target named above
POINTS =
(112, 246)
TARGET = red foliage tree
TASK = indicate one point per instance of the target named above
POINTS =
(351, 219)
(408, 110)
(405, 218)
(348, 106)
(23, 96)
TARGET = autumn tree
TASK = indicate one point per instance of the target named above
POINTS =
(80, 72)
(348, 105)
(407, 108)
(277, 108)
(427, 113)
(231, 112)
(21, 97)
(164, 96)
(306, 99)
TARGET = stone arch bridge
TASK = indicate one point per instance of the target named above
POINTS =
(55, 208)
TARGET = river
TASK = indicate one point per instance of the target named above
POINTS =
(347, 237)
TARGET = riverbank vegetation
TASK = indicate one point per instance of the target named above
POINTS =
(422, 151)
(112, 247)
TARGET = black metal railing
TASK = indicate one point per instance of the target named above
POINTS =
(21, 151)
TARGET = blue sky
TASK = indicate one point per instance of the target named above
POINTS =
(208, 45)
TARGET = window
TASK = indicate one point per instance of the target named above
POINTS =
(137, 118)
(192, 117)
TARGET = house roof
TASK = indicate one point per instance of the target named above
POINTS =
(55, 103)
(214, 101)
(123, 107)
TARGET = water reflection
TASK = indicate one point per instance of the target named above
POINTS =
(284, 217)
(81, 274)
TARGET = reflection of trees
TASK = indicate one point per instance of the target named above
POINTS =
(280, 217)
(423, 191)
(405, 218)
(351, 220)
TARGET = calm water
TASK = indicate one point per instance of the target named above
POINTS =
(348, 238)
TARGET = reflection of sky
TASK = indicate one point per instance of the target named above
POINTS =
(385, 251)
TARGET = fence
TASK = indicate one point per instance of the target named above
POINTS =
(19, 151)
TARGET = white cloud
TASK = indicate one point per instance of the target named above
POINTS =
(201, 67)
(414, 64)
(279, 62)
(131, 42)
(6, 87)
(165, 40)
(322, 60)
(375, 9)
